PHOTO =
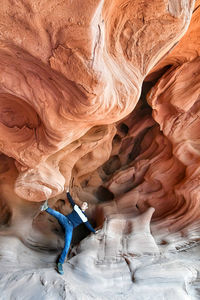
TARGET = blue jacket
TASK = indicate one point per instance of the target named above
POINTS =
(77, 216)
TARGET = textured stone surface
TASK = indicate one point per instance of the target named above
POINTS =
(67, 67)
(94, 96)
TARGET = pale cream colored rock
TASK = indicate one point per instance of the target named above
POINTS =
(70, 81)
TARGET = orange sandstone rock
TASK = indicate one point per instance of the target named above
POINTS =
(66, 67)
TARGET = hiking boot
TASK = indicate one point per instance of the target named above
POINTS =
(60, 268)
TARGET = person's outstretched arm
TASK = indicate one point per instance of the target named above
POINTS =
(69, 197)
(89, 226)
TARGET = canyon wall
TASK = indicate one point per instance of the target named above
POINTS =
(101, 97)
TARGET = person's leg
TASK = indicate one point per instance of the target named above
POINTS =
(60, 217)
(68, 238)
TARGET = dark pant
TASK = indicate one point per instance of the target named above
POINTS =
(68, 227)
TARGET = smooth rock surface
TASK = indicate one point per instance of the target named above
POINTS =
(102, 97)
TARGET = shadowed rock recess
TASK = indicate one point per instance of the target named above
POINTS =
(104, 97)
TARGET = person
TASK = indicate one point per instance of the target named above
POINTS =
(69, 222)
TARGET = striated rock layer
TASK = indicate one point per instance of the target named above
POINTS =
(91, 98)
(66, 68)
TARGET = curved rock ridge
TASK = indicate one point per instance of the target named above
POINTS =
(175, 103)
(142, 171)
(91, 98)
(187, 49)
(122, 261)
(71, 67)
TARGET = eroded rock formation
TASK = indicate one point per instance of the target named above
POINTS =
(104, 98)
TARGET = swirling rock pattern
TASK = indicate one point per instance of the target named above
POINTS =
(179, 121)
(73, 112)
(66, 68)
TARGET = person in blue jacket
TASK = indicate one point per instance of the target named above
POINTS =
(69, 222)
